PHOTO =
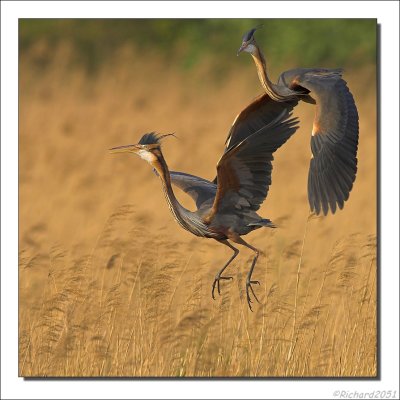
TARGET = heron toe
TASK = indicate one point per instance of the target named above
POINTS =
(216, 284)
(248, 285)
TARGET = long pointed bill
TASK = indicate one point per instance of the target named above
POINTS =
(241, 48)
(129, 148)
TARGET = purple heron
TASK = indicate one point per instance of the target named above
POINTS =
(334, 137)
(227, 210)
(227, 207)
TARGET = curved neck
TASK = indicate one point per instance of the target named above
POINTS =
(261, 67)
(185, 218)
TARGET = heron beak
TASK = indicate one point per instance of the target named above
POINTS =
(242, 47)
(130, 148)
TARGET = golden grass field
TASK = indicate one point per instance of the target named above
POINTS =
(110, 285)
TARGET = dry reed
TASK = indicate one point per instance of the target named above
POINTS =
(115, 289)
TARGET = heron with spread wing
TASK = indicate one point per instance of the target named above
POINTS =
(227, 208)
(334, 139)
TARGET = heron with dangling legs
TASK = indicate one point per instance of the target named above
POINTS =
(334, 137)
(227, 208)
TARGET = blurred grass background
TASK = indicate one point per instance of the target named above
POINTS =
(110, 285)
(322, 42)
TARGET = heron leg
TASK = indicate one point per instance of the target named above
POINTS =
(218, 277)
(249, 282)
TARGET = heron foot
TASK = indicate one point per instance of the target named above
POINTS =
(248, 286)
(216, 283)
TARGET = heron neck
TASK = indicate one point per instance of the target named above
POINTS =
(184, 217)
(261, 67)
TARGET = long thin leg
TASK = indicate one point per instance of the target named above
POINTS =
(249, 282)
(218, 277)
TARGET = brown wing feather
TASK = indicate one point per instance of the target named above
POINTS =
(244, 170)
(260, 112)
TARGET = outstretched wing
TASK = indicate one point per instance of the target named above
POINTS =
(200, 190)
(334, 140)
(244, 170)
(254, 117)
(259, 113)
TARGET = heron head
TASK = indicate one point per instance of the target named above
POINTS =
(248, 41)
(148, 148)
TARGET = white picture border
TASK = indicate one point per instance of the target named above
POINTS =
(12, 387)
